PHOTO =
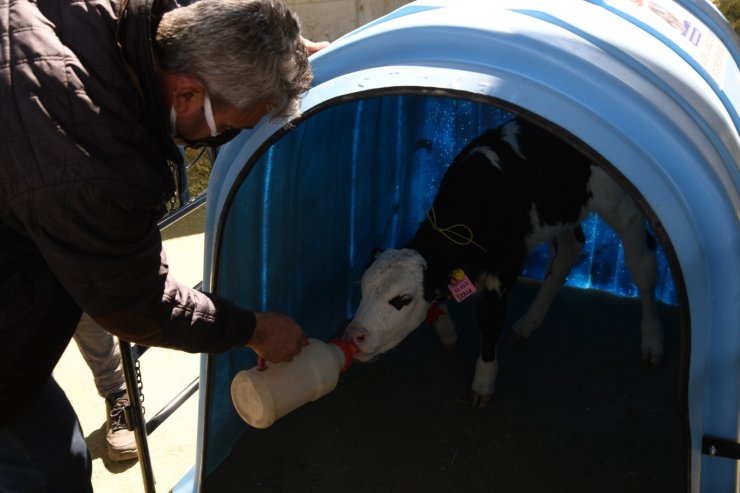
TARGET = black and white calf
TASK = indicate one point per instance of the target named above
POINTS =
(509, 190)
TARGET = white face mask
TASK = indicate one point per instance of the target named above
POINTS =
(207, 111)
(173, 121)
(210, 119)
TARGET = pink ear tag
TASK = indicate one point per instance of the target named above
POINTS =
(460, 286)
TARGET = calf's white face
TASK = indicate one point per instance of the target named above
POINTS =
(392, 303)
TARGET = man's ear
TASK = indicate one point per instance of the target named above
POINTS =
(187, 93)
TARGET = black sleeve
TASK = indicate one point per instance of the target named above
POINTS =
(107, 253)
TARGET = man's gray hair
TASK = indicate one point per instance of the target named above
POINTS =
(243, 51)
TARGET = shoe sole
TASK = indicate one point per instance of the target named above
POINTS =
(122, 455)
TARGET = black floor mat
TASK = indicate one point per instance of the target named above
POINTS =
(574, 411)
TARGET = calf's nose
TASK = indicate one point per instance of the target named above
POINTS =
(355, 335)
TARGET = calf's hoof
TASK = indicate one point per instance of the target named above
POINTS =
(480, 400)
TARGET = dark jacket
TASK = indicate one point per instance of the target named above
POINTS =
(84, 144)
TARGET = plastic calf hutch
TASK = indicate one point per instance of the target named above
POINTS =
(649, 89)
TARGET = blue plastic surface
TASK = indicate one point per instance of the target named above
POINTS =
(293, 214)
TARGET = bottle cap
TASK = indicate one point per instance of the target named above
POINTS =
(348, 349)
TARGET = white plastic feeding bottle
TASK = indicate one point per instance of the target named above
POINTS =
(262, 396)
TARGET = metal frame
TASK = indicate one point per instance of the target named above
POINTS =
(135, 413)
(130, 353)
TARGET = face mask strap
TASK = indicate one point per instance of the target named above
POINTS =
(173, 121)
(210, 119)
(216, 139)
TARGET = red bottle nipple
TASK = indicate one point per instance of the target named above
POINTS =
(348, 349)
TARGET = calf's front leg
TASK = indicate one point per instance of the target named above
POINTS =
(491, 314)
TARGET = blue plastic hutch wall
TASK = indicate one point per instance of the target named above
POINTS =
(650, 90)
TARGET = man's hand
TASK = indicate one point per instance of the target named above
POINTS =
(313, 46)
(277, 337)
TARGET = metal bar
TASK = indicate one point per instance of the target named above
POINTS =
(172, 406)
(184, 194)
(137, 351)
(182, 211)
(720, 447)
(139, 426)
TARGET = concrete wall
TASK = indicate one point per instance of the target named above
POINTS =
(330, 19)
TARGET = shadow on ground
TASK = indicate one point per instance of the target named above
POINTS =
(574, 411)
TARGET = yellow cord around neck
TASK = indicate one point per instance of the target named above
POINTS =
(458, 234)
